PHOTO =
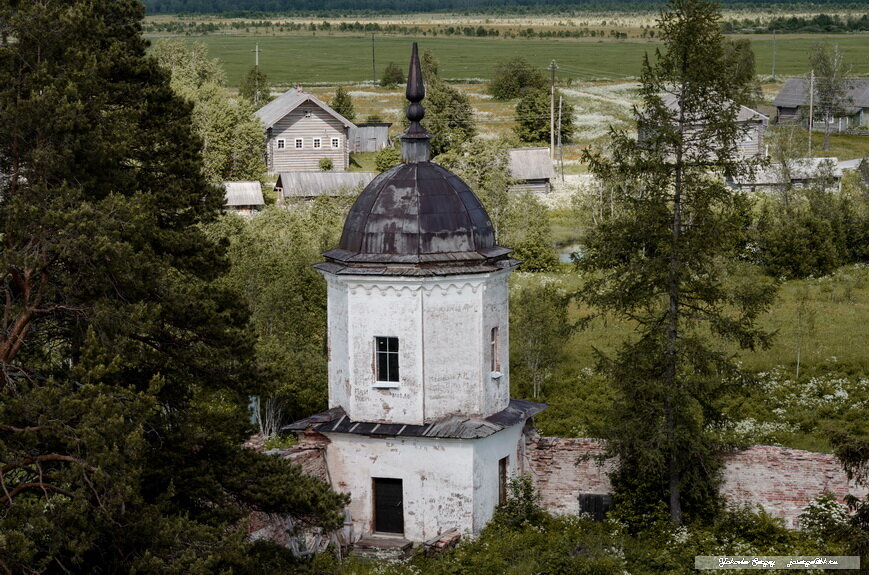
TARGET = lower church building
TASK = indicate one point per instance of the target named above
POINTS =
(421, 430)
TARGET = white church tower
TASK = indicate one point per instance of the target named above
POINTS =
(421, 429)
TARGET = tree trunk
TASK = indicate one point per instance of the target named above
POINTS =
(673, 297)
(826, 131)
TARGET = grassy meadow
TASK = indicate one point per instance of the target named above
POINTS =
(321, 58)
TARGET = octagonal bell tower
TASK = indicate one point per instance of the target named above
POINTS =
(421, 430)
(418, 299)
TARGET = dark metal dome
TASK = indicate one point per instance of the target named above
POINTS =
(417, 218)
(417, 213)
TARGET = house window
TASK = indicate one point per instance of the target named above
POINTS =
(317, 142)
(281, 144)
(298, 143)
(307, 113)
(495, 345)
(386, 359)
(336, 143)
(503, 465)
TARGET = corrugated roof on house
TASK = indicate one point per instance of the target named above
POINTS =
(312, 184)
(795, 93)
(243, 194)
(530, 164)
(455, 426)
(800, 169)
(272, 112)
(745, 113)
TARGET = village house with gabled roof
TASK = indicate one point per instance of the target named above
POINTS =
(751, 123)
(301, 130)
(792, 102)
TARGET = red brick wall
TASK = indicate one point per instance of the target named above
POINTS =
(784, 480)
(781, 480)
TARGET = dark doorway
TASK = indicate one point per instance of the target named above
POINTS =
(388, 505)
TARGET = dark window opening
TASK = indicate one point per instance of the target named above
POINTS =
(496, 350)
(595, 504)
(386, 352)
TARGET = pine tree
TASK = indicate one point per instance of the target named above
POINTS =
(343, 103)
(665, 258)
(125, 367)
(255, 87)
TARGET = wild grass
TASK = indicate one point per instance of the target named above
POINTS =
(327, 59)
(821, 320)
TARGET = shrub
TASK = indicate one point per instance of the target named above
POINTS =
(392, 76)
(386, 158)
(326, 165)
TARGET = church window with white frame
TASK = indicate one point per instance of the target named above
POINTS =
(386, 359)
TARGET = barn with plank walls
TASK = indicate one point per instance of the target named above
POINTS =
(420, 430)
(301, 130)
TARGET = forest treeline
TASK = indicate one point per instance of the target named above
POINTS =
(249, 8)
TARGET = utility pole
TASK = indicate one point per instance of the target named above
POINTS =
(256, 52)
(811, 108)
(373, 67)
(560, 149)
(552, 68)
(773, 54)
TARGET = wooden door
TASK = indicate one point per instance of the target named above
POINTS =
(388, 505)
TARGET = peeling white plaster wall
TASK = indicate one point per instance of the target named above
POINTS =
(444, 330)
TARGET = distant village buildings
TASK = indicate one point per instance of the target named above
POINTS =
(792, 105)
(301, 131)
(531, 170)
(309, 185)
(245, 198)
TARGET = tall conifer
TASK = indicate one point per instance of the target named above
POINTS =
(124, 368)
(665, 258)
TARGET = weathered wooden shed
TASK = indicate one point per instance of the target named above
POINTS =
(751, 123)
(313, 184)
(244, 197)
(301, 130)
(797, 173)
(531, 169)
(369, 137)
(792, 104)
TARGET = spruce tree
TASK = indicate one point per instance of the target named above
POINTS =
(125, 367)
(343, 103)
(666, 258)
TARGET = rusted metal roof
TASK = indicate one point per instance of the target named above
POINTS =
(530, 164)
(417, 213)
(243, 194)
(453, 427)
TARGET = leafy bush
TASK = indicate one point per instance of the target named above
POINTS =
(392, 76)
(514, 76)
(824, 518)
(386, 158)
(325, 165)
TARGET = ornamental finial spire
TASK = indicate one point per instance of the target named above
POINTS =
(414, 141)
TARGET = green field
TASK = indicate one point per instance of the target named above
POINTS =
(330, 59)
